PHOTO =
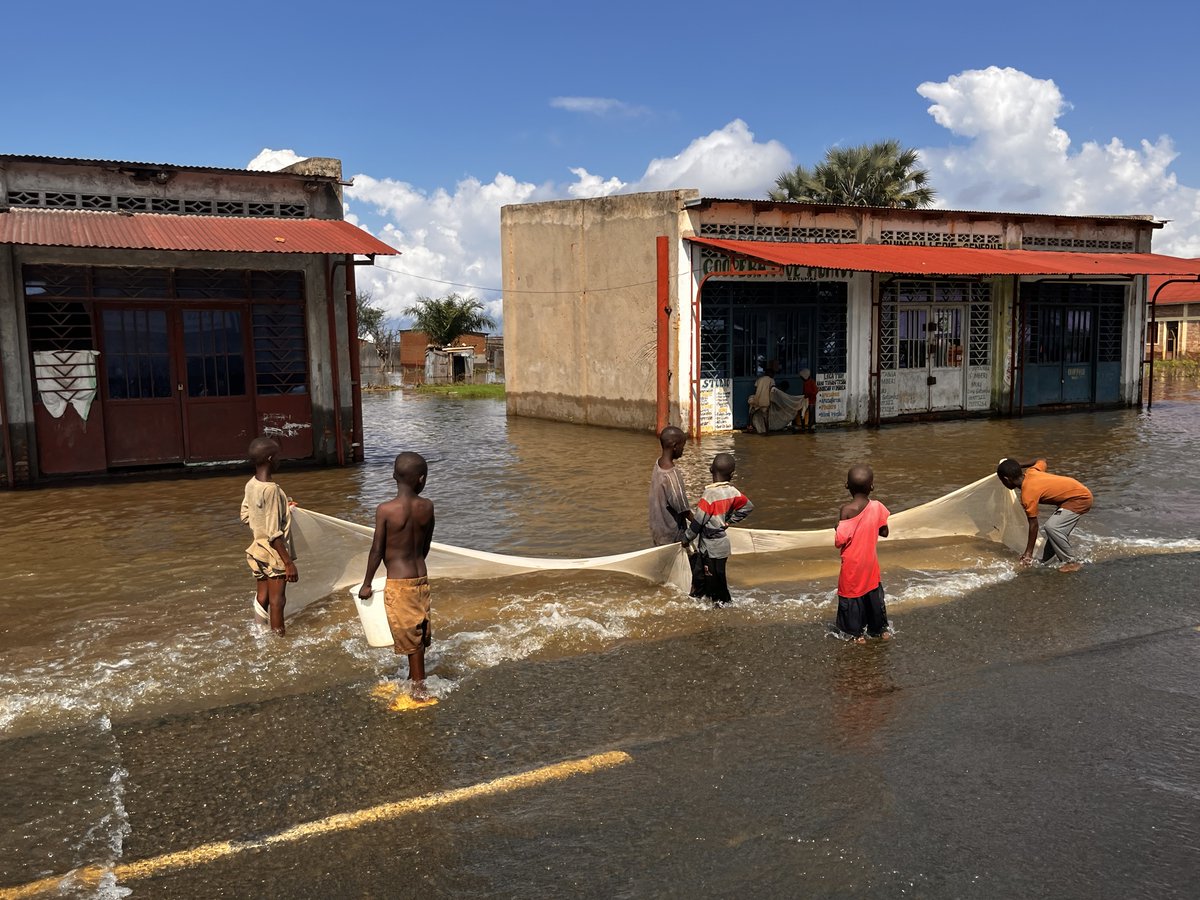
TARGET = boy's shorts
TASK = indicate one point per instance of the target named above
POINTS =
(868, 612)
(406, 603)
(264, 570)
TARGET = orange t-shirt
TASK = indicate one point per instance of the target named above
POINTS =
(856, 538)
(1040, 486)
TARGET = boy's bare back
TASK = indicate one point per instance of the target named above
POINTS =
(403, 526)
(404, 531)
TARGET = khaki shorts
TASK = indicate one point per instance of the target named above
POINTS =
(406, 602)
(263, 570)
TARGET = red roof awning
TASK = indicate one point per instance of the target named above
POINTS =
(151, 231)
(905, 260)
(1180, 292)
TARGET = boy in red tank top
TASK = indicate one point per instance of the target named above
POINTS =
(861, 523)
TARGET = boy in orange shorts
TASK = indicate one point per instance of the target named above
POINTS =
(403, 533)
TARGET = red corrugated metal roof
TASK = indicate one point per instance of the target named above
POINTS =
(905, 260)
(1173, 293)
(150, 231)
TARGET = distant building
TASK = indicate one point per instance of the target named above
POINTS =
(155, 314)
(410, 354)
(1175, 329)
(897, 313)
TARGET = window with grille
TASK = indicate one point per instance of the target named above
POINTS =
(831, 329)
(214, 354)
(137, 356)
(280, 352)
(907, 340)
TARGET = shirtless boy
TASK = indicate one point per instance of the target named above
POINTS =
(403, 533)
(270, 555)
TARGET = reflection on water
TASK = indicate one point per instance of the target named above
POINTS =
(129, 596)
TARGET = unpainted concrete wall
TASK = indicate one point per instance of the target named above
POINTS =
(580, 324)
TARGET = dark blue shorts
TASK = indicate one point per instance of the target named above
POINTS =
(866, 613)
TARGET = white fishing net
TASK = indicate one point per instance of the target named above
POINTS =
(333, 552)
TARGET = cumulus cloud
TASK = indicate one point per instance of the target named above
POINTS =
(597, 106)
(727, 162)
(444, 235)
(589, 185)
(454, 235)
(1017, 157)
(273, 160)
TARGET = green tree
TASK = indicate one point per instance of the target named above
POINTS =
(879, 174)
(374, 324)
(443, 319)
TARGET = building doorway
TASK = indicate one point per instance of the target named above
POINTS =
(934, 347)
(746, 326)
(1071, 343)
(174, 383)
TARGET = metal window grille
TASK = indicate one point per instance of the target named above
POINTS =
(137, 354)
(280, 351)
(213, 352)
(212, 284)
(59, 325)
(130, 282)
(174, 205)
(831, 329)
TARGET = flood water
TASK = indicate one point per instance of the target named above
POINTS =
(1024, 734)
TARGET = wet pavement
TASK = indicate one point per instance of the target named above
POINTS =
(1026, 734)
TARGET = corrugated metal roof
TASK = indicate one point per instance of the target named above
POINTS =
(908, 260)
(149, 231)
(173, 167)
(1173, 293)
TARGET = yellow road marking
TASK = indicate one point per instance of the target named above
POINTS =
(205, 853)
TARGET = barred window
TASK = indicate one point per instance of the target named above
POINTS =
(280, 352)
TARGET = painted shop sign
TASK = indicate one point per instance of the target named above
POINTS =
(979, 387)
(716, 404)
(831, 397)
(716, 263)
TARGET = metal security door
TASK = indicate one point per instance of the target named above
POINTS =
(1078, 349)
(142, 418)
(218, 405)
(945, 358)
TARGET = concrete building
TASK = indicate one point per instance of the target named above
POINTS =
(412, 351)
(1175, 319)
(636, 310)
(155, 314)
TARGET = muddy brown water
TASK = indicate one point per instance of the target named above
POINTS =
(137, 699)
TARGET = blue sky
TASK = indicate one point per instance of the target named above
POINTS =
(449, 109)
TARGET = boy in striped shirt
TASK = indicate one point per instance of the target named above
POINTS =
(720, 506)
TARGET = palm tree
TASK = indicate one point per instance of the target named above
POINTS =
(443, 319)
(879, 174)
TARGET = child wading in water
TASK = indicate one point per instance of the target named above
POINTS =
(403, 533)
(1069, 498)
(720, 506)
(270, 555)
(861, 523)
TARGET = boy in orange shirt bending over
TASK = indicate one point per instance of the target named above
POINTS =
(1038, 486)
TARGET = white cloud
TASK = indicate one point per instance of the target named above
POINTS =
(454, 235)
(597, 106)
(589, 185)
(269, 160)
(444, 236)
(1018, 158)
(728, 162)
